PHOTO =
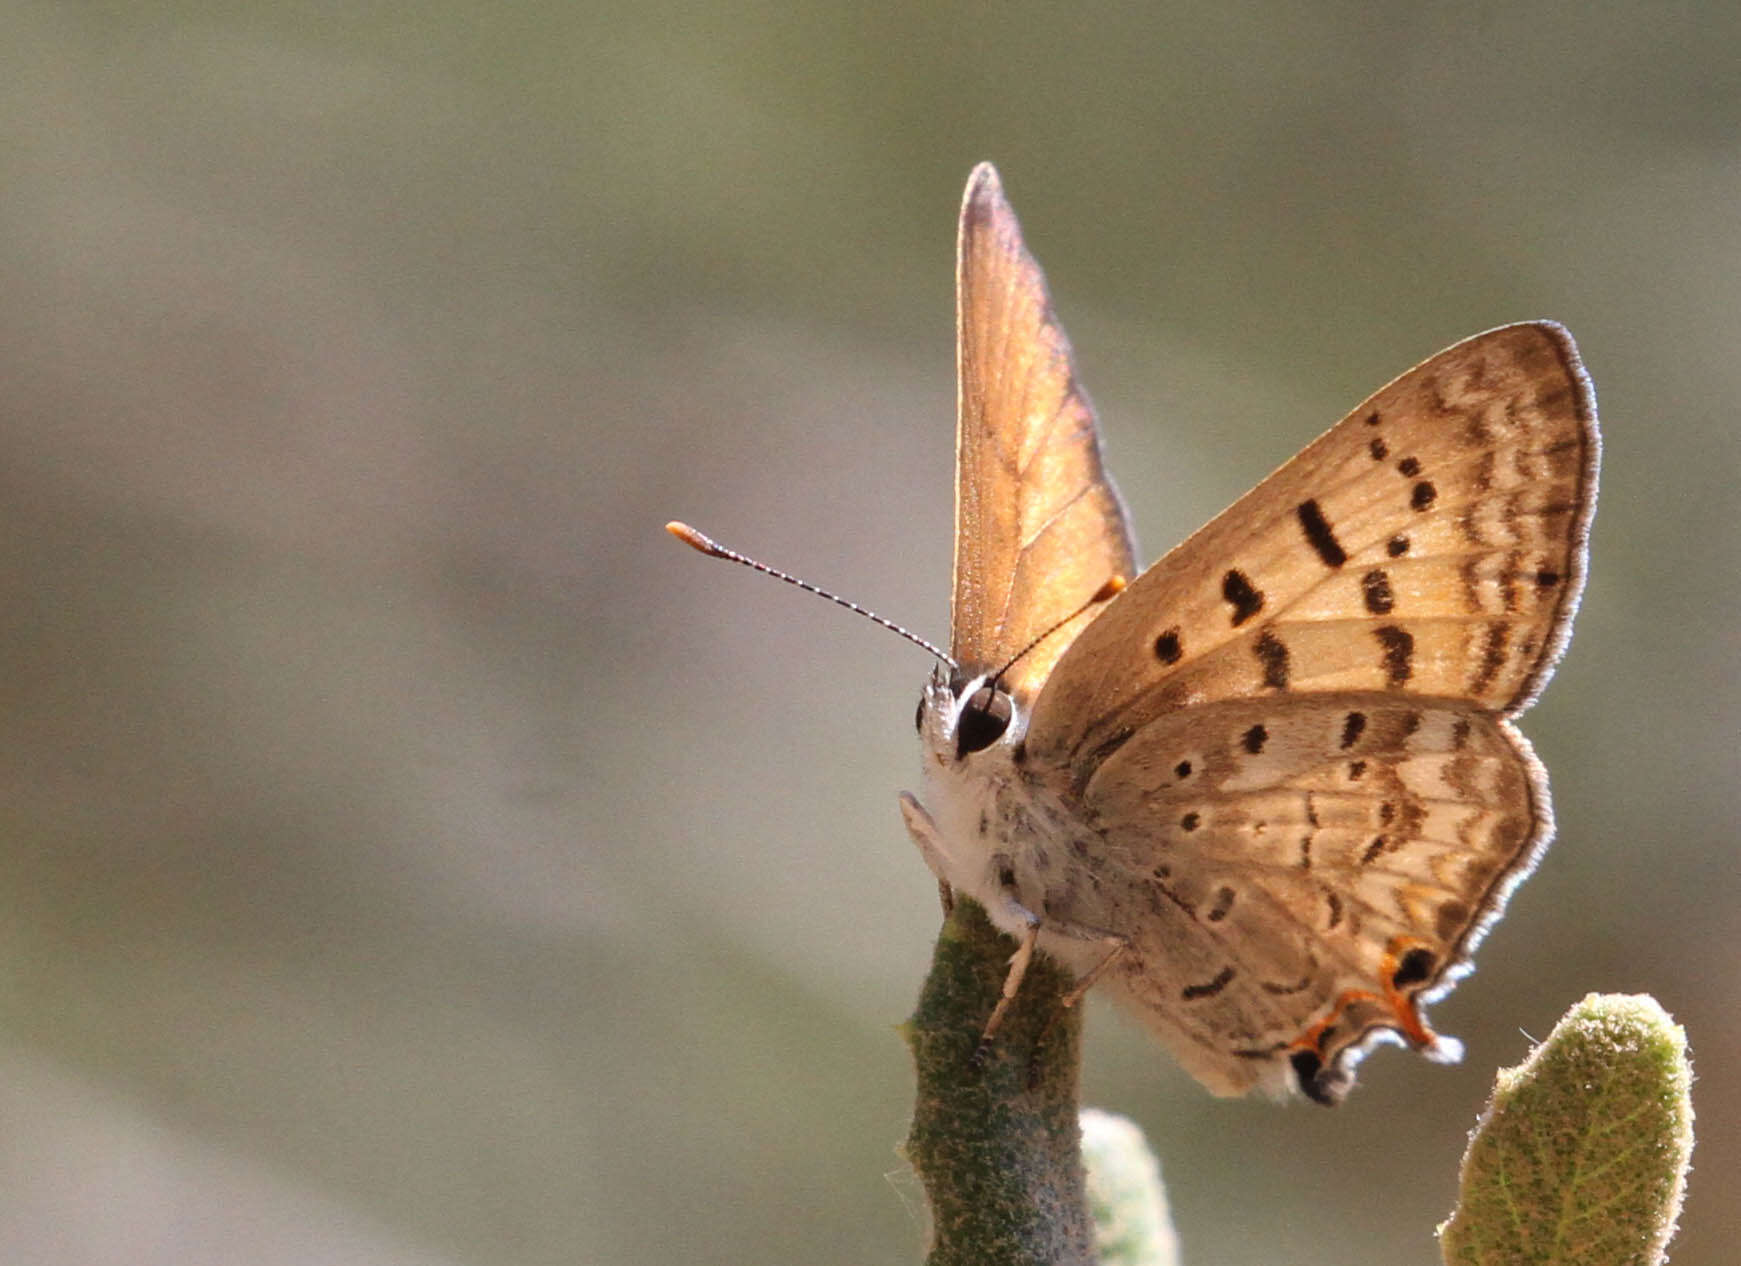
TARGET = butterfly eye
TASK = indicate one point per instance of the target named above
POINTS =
(919, 716)
(984, 718)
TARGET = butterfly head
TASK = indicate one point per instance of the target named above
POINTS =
(961, 713)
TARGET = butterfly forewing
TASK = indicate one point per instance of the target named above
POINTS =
(1430, 543)
(1039, 527)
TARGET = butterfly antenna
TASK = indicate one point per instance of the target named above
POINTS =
(1114, 585)
(707, 545)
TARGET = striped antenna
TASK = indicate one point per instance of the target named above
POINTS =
(707, 545)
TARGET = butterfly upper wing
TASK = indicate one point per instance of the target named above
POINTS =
(1432, 542)
(1290, 733)
(1039, 528)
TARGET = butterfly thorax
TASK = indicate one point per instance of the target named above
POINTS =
(1005, 835)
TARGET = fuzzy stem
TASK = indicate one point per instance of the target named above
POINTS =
(998, 1148)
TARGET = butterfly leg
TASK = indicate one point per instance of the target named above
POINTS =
(1117, 945)
(1024, 955)
(1012, 984)
(924, 833)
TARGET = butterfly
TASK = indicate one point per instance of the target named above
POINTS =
(1267, 793)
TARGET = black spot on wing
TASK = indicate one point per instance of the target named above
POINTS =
(1245, 600)
(1375, 589)
(1397, 546)
(1209, 988)
(1353, 725)
(1399, 653)
(1415, 968)
(1272, 653)
(1378, 449)
(1320, 535)
(1190, 822)
(1222, 904)
(1317, 1083)
(1168, 648)
(1409, 466)
(1255, 738)
(1424, 495)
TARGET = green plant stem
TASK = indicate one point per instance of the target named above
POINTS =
(997, 1147)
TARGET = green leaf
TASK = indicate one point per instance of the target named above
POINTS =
(1581, 1156)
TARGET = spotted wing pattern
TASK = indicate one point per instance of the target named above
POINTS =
(1290, 734)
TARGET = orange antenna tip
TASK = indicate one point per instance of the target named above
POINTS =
(693, 539)
(1114, 586)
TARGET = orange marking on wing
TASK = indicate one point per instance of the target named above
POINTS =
(1310, 1039)
(1402, 1006)
(1404, 1011)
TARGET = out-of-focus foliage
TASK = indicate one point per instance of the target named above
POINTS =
(1131, 1224)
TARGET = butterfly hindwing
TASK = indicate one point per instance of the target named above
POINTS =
(1293, 875)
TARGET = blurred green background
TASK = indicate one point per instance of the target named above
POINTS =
(411, 855)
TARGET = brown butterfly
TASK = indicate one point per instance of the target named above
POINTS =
(1267, 793)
